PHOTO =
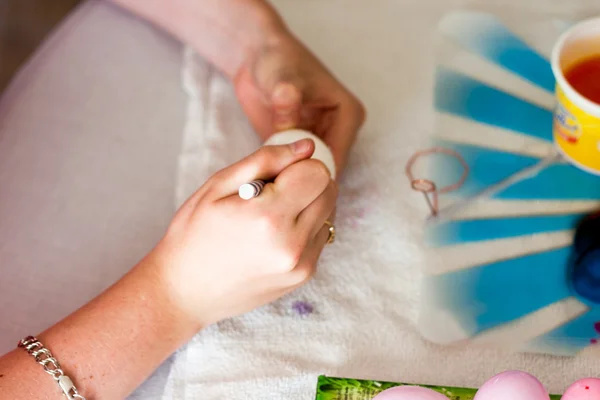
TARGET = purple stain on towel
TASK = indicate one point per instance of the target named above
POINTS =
(355, 216)
(302, 308)
(358, 204)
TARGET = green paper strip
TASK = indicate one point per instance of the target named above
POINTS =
(330, 388)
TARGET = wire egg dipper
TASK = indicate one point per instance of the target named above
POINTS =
(427, 186)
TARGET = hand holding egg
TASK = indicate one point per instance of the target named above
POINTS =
(322, 151)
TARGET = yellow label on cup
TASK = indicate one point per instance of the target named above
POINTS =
(577, 133)
(576, 118)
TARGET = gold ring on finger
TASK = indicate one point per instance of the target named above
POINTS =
(331, 229)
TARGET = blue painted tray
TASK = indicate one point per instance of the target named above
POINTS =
(498, 269)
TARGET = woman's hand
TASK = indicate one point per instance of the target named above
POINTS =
(279, 82)
(223, 256)
(282, 86)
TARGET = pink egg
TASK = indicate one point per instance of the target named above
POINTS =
(584, 389)
(513, 385)
(410, 393)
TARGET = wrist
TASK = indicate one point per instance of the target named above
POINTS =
(229, 32)
(184, 291)
(225, 32)
(134, 325)
(151, 276)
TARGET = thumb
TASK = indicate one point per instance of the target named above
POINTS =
(286, 103)
(265, 164)
(277, 76)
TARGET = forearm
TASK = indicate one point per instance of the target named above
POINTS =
(225, 32)
(108, 347)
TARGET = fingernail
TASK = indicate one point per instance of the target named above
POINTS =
(301, 146)
(285, 93)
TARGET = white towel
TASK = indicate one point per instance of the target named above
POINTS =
(365, 295)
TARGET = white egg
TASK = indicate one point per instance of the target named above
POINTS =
(513, 385)
(410, 393)
(322, 151)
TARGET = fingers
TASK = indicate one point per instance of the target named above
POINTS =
(266, 163)
(313, 217)
(286, 100)
(300, 185)
(321, 239)
(276, 72)
(342, 130)
(307, 266)
(337, 123)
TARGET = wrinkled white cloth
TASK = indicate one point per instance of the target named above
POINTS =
(366, 293)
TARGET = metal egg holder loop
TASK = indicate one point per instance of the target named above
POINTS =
(428, 187)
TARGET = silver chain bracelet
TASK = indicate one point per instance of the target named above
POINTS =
(43, 357)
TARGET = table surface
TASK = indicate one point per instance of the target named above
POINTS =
(91, 187)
